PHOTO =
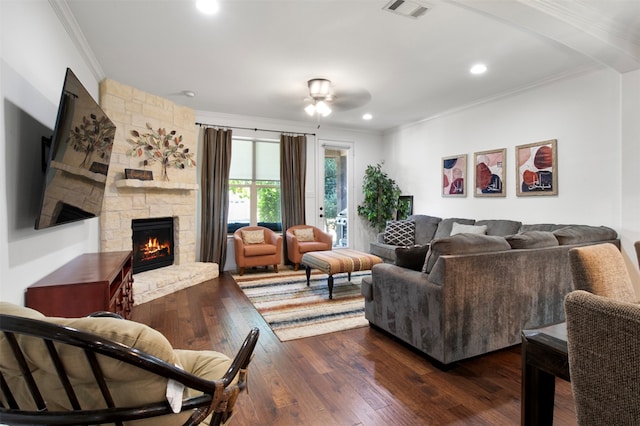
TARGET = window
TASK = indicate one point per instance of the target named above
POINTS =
(254, 185)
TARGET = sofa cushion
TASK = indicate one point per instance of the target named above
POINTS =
(445, 225)
(500, 227)
(463, 244)
(412, 257)
(541, 227)
(426, 227)
(304, 234)
(400, 232)
(253, 237)
(532, 240)
(385, 251)
(251, 250)
(467, 229)
(578, 234)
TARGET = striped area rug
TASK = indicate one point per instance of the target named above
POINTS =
(294, 311)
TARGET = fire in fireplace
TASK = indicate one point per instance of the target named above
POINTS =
(152, 243)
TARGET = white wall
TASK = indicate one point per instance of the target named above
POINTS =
(35, 53)
(630, 188)
(367, 150)
(583, 113)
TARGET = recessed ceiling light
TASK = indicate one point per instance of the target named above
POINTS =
(367, 116)
(207, 6)
(478, 69)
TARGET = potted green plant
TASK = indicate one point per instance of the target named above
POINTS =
(380, 197)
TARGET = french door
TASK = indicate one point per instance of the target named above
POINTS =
(335, 169)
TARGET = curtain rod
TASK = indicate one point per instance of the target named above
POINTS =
(254, 129)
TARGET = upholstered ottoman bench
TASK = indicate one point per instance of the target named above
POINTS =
(338, 261)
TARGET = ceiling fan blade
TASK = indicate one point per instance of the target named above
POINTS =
(351, 99)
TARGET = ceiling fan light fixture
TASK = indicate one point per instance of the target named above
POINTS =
(319, 87)
(310, 109)
(322, 108)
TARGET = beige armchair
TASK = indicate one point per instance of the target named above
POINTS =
(303, 239)
(97, 370)
(603, 341)
(257, 246)
(600, 269)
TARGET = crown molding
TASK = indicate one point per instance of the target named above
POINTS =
(70, 24)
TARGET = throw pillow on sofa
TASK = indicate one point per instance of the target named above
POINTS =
(463, 244)
(445, 225)
(459, 228)
(411, 257)
(400, 233)
(532, 240)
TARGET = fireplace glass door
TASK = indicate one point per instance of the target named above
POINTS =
(152, 243)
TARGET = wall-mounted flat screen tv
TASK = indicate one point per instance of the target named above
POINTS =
(76, 158)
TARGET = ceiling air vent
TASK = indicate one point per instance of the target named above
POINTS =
(410, 9)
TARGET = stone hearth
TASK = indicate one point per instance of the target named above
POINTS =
(127, 199)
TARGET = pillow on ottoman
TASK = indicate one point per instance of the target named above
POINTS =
(463, 244)
(411, 257)
(400, 233)
(532, 239)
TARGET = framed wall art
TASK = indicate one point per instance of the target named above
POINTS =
(454, 176)
(537, 169)
(490, 173)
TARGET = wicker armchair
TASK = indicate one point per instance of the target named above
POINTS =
(600, 269)
(603, 340)
(71, 371)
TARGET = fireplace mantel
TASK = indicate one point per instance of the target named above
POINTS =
(147, 184)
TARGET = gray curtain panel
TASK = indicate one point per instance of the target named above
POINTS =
(214, 184)
(293, 173)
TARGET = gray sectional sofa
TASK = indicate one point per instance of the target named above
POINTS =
(468, 294)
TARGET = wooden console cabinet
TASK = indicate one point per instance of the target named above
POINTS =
(89, 283)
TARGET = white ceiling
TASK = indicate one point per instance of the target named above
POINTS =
(254, 57)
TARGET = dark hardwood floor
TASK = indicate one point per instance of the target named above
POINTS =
(355, 377)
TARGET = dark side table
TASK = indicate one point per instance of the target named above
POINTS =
(544, 357)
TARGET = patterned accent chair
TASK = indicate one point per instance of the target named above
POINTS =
(600, 269)
(303, 239)
(603, 341)
(257, 246)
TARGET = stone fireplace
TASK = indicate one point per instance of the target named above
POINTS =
(126, 200)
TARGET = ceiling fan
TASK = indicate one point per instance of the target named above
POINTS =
(320, 93)
(323, 98)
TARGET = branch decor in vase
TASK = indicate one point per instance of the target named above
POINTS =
(161, 146)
